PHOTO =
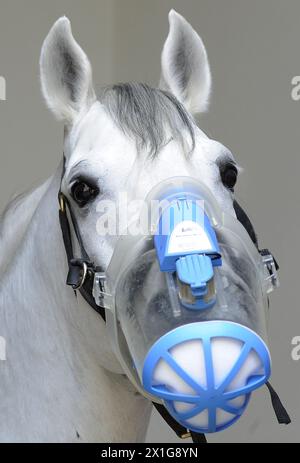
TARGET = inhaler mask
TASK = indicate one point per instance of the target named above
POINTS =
(187, 306)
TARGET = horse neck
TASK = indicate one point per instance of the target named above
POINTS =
(54, 386)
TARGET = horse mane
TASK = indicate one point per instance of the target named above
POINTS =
(14, 222)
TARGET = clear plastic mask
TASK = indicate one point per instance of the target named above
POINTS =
(144, 304)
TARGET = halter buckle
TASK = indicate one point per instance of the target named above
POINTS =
(83, 277)
(99, 290)
(62, 203)
(271, 275)
(186, 435)
(77, 273)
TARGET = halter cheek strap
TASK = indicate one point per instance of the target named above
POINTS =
(82, 271)
(81, 275)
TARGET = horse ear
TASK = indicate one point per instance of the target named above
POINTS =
(66, 74)
(185, 68)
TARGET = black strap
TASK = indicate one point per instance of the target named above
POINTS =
(84, 254)
(66, 234)
(245, 221)
(280, 412)
(198, 438)
(180, 430)
(76, 265)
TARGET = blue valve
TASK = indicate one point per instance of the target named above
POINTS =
(186, 243)
(196, 271)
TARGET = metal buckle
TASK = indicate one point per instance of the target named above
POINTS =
(99, 288)
(62, 204)
(185, 435)
(83, 276)
(271, 275)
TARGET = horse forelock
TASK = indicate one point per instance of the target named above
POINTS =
(149, 115)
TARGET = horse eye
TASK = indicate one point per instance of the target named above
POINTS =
(82, 193)
(229, 176)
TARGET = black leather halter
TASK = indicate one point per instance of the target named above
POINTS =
(82, 270)
(81, 275)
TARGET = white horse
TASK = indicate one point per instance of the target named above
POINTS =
(61, 381)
